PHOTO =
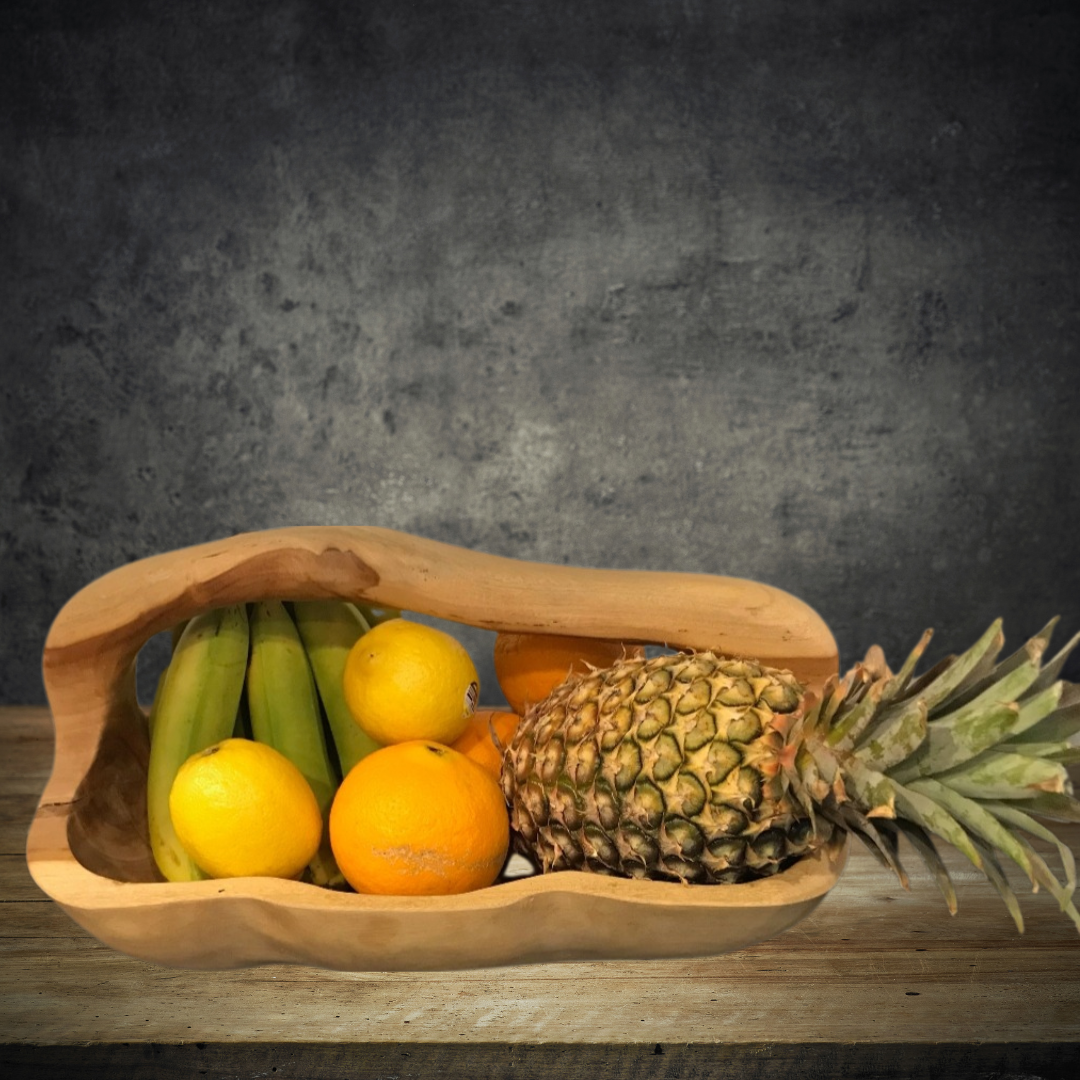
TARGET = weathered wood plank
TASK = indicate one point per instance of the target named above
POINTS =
(15, 880)
(872, 968)
(21, 723)
(545, 1061)
(62, 987)
(274, 1007)
(26, 734)
(15, 814)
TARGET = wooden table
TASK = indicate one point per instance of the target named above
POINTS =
(877, 982)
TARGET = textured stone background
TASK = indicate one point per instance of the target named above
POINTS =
(782, 290)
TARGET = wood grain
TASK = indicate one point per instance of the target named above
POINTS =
(382, 566)
(877, 982)
(89, 833)
(551, 1061)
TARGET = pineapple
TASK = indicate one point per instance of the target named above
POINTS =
(698, 768)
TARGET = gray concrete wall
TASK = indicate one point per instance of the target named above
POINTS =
(783, 290)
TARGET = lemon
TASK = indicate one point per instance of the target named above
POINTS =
(240, 808)
(405, 681)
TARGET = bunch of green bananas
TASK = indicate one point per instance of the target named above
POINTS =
(258, 671)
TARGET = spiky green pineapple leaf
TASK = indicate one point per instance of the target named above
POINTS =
(806, 780)
(1009, 687)
(852, 820)
(997, 775)
(1053, 668)
(957, 739)
(1034, 647)
(1035, 708)
(978, 679)
(889, 839)
(1013, 815)
(1063, 752)
(1065, 755)
(850, 723)
(869, 788)
(933, 817)
(958, 748)
(895, 740)
(1044, 876)
(957, 735)
(923, 843)
(833, 696)
(950, 675)
(917, 685)
(1054, 807)
(896, 686)
(1061, 723)
(825, 764)
(975, 820)
(996, 876)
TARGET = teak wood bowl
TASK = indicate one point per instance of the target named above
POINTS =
(88, 846)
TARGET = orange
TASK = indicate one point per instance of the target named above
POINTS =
(529, 666)
(419, 819)
(477, 742)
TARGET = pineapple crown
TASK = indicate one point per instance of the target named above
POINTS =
(972, 751)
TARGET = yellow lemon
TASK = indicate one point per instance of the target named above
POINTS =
(240, 808)
(404, 681)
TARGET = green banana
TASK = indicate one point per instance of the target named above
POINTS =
(174, 639)
(242, 727)
(151, 716)
(195, 706)
(176, 633)
(329, 629)
(284, 707)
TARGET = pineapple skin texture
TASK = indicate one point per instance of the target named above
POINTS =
(665, 769)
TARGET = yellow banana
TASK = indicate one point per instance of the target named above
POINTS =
(195, 707)
(329, 629)
(284, 708)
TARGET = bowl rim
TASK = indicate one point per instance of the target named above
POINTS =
(60, 874)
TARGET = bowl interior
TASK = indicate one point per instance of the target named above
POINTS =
(107, 827)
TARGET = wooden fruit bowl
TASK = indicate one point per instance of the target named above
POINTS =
(88, 846)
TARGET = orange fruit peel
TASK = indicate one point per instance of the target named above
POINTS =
(487, 737)
(529, 666)
(419, 819)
